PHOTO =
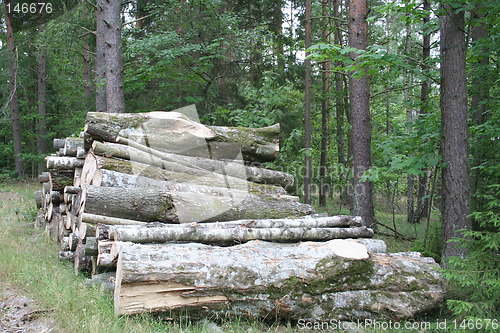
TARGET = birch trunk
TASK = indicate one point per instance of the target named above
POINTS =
(231, 236)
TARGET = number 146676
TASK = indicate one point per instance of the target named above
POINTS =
(29, 8)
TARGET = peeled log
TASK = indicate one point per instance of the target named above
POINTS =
(330, 280)
(175, 133)
(236, 235)
(150, 205)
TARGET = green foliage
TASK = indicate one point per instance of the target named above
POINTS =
(475, 279)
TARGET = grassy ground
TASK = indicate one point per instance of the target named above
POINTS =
(28, 258)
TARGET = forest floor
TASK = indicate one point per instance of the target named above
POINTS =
(19, 313)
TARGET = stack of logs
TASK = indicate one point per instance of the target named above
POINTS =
(175, 215)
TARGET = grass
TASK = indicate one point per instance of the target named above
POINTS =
(28, 259)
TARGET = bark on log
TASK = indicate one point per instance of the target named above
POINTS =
(305, 222)
(60, 178)
(150, 205)
(210, 179)
(72, 189)
(108, 178)
(58, 143)
(258, 279)
(173, 132)
(91, 246)
(230, 236)
(66, 255)
(43, 177)
(63, 163)
(252, 174)
(97, 219)
(106, 281)
(71, 146)
(257, 144)
(38, 199)
(82, 262)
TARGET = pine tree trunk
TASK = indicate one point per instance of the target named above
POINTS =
(100, 59)
(115, 97)
(325, 109)
(307, 104)
(360, 114)
(42, 114)
(455, 176)
(16, 127)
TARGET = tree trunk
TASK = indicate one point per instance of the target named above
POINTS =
(360, 114)
(455, 176)
(306, 222)
(234, 235)
(150, 205)
(16, 127)
(479, 101)
(115, 98)
(307, 104)
(100, 59)
(424, 180)
(325, 109)
(281, 281)
(340, 112)
(42, 114)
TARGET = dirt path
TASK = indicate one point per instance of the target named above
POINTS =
(20, 314)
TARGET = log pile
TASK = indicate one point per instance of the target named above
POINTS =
(175, 215)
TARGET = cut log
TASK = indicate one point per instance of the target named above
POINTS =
(96, 219)
(285, 281)
(71, 146)
(150, 205)
(231, 236)
(66, 255)
(43, 177)
(137, 204)
(58, 143)
(233, 169)
(38, 199)
(96, 162)
(108, 178)
(90, 246)
(82, 262)
(64, 163)
(105, 281)
(305, 222)
(257, 144)
(72, 189)
(60, 178)
(173, 132)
